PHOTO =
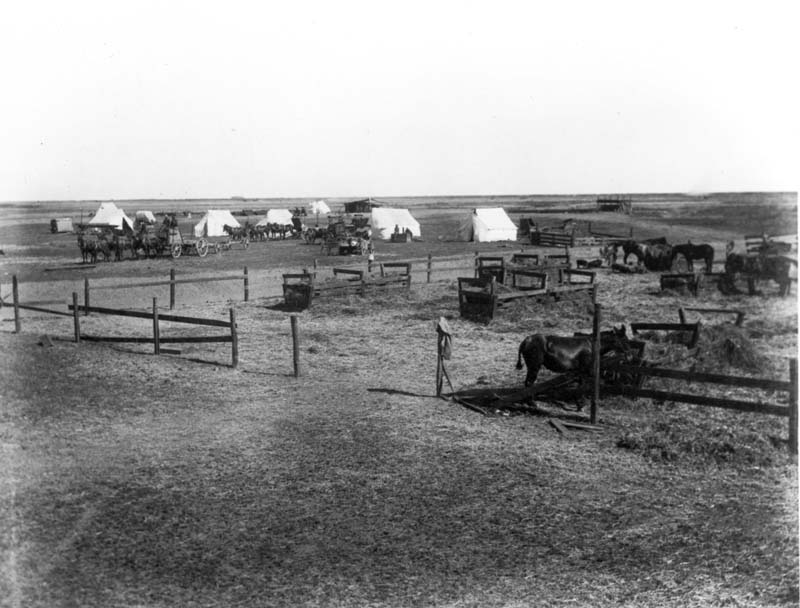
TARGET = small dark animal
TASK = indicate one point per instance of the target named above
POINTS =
(565, 353)
(694, 252)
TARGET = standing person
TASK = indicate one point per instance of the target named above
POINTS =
(370, 256)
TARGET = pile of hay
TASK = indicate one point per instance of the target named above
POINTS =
(725, 346)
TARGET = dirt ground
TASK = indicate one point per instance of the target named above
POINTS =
(136, 480)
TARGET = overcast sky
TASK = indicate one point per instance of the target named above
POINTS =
(218, 99)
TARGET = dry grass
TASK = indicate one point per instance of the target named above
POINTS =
(136, 480)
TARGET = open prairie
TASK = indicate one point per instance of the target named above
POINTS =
(138, 480)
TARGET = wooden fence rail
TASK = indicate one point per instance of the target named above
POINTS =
(172, 282)
(157, 340)
(790, 387)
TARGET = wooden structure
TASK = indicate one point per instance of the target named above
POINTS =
(301, 289)
(770, 245)
(616, 203)
(480, 298)
(552, 238)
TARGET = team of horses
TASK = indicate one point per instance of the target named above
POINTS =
(142, 239)
(658, 255)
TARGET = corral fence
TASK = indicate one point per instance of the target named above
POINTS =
(789, 387)
(157, 340)
(172, 282)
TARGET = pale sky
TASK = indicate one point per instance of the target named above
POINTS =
(314, 99)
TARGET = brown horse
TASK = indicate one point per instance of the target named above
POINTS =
(565, 353)
(692, 252)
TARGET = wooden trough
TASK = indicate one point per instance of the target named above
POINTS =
(480, 298)
(301, 289)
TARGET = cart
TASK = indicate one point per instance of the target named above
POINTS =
(178, 244)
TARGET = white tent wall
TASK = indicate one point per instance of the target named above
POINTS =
(277, 216)
(486, 225)
(214, 222)
(146, 216)
(384, 219)
(320, 207)
(108, 214)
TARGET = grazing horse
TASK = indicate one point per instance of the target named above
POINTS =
(694, 252)
(756, 267)
(565, 354)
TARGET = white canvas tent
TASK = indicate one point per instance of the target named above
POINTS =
(319, 207)
(384, 219)
(487, 224)
(213, 223)
(277, 216)
(108, 214)
(146, 217)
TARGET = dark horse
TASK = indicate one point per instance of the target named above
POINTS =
(565, 354)
(637, 248)
(694, 252)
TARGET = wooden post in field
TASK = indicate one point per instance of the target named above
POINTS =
(86, 295)
(315, 264)
(631, 232)
(429, 267)
(234, 339)
(246, 285)
(793, 407)
(295, 346)
(76, 318)
(475, 263)
(171, 288)
(595, 363)
(682, 315)
(439, 364)
(15, 296)
(156, 332)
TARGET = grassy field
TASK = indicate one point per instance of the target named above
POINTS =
(135, 480)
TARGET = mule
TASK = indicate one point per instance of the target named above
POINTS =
(565, 353)
(692, 252)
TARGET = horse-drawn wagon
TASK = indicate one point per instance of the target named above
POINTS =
(179, 244)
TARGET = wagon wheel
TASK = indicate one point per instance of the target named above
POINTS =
(202, 247)
(246, 242)
(176, 249)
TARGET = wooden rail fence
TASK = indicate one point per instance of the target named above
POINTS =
(157, 339)
(172, 282)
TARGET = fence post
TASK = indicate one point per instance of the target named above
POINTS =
(476, 264)
(295, 346)
(430, 259)
(15, 296)
(234, 339)
(315, 264)
(631, 232)
(246, 285)
(595, 362)
(76, 316)
(682, 315)
(86, 295)
(171, 288)
(156, 334)
(793, 406)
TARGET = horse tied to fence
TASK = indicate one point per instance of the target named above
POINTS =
(565, 353)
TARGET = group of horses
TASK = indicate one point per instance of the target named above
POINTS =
(265, 232)
(767, 261)
(142, 239)
(657, 254)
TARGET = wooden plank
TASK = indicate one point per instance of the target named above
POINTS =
(557, 425)
(62, 268)
(581, 427)
(731, 404)
(663, 326)
(762, 383)
(45, 310)
(145, 315)
(162, 339)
